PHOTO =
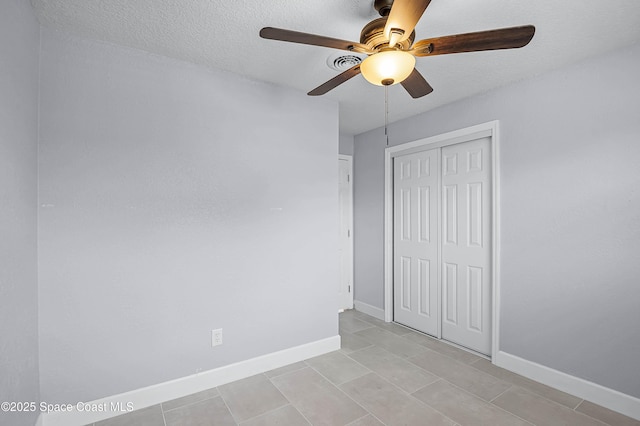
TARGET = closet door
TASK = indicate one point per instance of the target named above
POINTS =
(466, 244)
(415, 269)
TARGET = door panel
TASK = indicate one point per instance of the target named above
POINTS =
(450, 214)
(450, 302)
(466, 252)
(416, 179)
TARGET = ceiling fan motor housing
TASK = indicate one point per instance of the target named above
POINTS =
(373, 36)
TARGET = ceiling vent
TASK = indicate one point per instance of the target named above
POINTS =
(342, 62)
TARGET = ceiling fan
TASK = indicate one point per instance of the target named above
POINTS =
(389, 42)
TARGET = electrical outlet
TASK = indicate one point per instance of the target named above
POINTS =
(216, 337)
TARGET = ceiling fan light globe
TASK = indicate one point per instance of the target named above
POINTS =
(381, 67)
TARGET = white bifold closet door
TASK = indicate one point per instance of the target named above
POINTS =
(442, 280)
(415, 232)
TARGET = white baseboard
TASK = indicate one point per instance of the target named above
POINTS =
(609, 398)
(152, 395)
(365, 308)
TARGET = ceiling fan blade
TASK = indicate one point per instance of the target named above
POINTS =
(504, 38)
(416, 85)
(335, 81)
(312, 39)
(403, 18)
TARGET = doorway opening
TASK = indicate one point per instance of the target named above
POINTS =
(345, 250)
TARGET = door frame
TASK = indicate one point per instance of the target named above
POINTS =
(349, 160)
(489, 129)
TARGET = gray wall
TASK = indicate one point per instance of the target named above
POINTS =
(346, 144)
(570, 214)
(175, 200)
(19, 44)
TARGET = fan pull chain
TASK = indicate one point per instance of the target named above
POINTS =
(386, 113)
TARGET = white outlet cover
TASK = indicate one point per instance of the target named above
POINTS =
(216, 337)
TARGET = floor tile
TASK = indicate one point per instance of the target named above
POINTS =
(190, 399)
(462, 375)
(286, 369)
(251, 397)
(464, 408)
(361, 316)
(605, 415)
(390, 326)
(285, 416)
(441, 347)
(151, 416)
(337, 367)
(541, 411)
(210, 412)
(402, 376)
(398, 371)
(391, 342)
(351, 325)
(368, 420)
(317, 399)
(528, 384)
(390, 404)
(351, 343)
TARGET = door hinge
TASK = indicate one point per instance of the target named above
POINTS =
(349, 289)
(348, 178)
(349, 233)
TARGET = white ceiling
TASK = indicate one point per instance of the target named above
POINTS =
(224, 34)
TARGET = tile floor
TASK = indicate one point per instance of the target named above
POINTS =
(384, 374)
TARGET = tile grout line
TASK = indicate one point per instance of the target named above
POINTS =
(579, 404)
(558, 404)
(187, 404)
(533, 391)
(368, 414)
(511, 385)
(288, 372)
(405, 392)
(164, 420)
(507, 411)
(347, 395)
(370, 371)
(358, 350)
(445, 354)
(420, 401)
(290, 402)
(270, 411)
(340, 390)
(487, 402)
(358, 419)
(227, 405)
(585, 414)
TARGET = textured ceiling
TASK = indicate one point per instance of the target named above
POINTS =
(225, 35)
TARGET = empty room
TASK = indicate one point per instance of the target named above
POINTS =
(436, 218)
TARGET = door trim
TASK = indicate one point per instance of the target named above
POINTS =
(349, 160)
(489, 129)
